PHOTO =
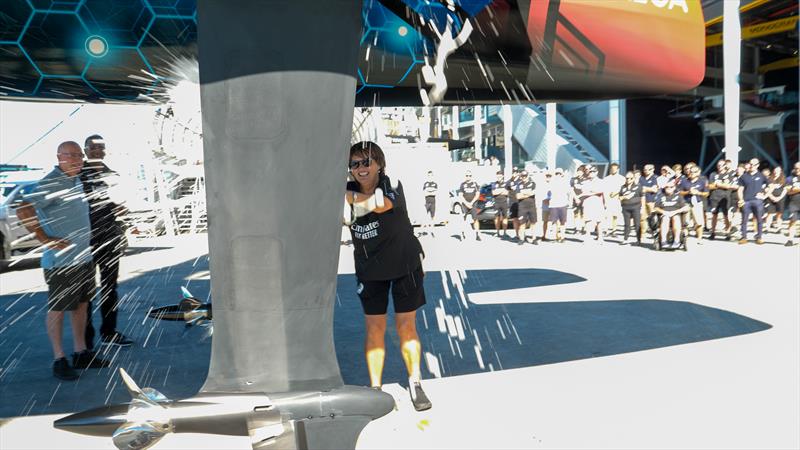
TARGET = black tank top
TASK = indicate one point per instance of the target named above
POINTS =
(385, 247)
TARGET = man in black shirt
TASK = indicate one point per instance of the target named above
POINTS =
(631, 198)
(793, 196)
(500, 193)
(108, 240)
(671, 206)
(694, 189)
(751, 194)
(720, 183)
(430, 187)
(468, 193)
(527, 206)
(649, 183)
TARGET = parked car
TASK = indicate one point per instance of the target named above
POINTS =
(485, 204)
(13, 235)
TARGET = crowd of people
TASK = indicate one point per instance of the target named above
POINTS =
(70, 213)
(677, 202)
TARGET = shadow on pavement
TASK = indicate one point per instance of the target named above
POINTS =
(174, 360)
(508, 336)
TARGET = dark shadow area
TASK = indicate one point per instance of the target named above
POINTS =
(174, 360)
(522, 335)
(165, 355)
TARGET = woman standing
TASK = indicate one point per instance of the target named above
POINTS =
(387, 256)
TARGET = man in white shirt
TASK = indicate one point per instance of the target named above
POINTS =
(559, 194)
(612, 183)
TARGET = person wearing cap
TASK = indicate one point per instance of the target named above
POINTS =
(500, 193)
(591, 198)
(559, 195)
(430, 187)
(468, 194)
(527, 206)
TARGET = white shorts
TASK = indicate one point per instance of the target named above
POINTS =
(593, 209)
(613, 207)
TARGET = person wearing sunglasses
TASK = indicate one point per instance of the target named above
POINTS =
(387, 257)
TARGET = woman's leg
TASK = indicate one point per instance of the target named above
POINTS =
(375, 348)
(409, 342)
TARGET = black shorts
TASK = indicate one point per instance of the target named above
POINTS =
(794, 210)
(430, 205)
(513, 210)
(408, 294)
(501, 210)
(718, 205)
(773, 208)
(69, 286)
(471, 212)
(527, 212)
(558, 215)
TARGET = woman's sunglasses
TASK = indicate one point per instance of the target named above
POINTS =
(364, 162)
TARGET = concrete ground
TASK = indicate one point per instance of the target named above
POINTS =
(554, 346)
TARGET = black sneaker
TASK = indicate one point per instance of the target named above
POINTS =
(477, 237)
(88, 360)
(117, 339)
(63, 371)
(712, 236)
(789, 243)
(418, 397)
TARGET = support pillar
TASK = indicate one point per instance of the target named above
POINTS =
(477, 132)
(617, 133)
(550, 135)
(732, 63)
(508, 149)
